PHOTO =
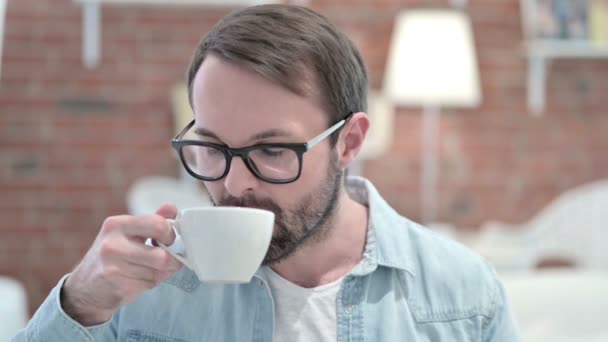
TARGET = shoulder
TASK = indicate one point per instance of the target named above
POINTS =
(449, 281)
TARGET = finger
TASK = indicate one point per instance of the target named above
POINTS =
(170, 240)
(167, 210)
(152, 257)
(149, 226)
(166, 275)
(138, 272)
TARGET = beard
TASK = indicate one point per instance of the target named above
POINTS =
(307, 223)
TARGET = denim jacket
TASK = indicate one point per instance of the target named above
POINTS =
(411, 285)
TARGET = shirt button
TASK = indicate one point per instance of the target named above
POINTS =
(348, 308)
(261, 283)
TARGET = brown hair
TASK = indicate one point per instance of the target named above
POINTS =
(294, 47)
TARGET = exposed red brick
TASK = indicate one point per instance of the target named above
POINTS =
(63, 171)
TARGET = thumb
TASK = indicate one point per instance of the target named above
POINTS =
(167, 210)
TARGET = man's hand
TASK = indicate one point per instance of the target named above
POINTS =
(119, 266)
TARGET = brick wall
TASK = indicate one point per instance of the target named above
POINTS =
(72, 140)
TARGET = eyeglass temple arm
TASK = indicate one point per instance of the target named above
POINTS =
(184, 130)
(309, 144)
(312, 142)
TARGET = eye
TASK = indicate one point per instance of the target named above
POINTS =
(213, 151)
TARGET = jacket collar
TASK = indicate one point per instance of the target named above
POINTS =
(388, 241)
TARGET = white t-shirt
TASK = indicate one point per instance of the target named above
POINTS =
(302, 314)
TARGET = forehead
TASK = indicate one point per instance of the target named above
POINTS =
(236, 102)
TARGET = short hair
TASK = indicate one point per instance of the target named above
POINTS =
(294, 47)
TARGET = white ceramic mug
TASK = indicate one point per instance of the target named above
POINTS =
(223, 244)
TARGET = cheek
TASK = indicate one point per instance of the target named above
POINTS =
(215, 190)
(314, 167)
(287, 196)
(314, 174)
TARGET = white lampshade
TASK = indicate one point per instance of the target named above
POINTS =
(432, 60)
(380, 133)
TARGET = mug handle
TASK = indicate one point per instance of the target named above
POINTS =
(181, 258)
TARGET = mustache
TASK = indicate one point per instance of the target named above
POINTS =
(250, 201)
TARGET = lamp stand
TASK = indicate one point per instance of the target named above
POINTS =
(429, 151)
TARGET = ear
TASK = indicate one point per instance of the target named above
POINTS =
(351, 138)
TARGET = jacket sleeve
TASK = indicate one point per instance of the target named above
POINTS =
(501, 326)
(51, 324)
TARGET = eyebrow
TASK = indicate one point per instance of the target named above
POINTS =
(271, 133)
(203, 132)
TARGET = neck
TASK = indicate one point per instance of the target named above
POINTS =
(337, 254)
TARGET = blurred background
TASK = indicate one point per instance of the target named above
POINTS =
(499, 141)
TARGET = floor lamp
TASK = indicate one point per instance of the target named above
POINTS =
(380, 134)
(432, 64)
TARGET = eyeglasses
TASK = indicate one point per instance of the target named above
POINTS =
(276, 163)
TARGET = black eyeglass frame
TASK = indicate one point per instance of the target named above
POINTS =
(299, 148)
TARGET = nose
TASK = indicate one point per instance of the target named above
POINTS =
(239, 179)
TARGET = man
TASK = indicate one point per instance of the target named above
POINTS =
(342, 264)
